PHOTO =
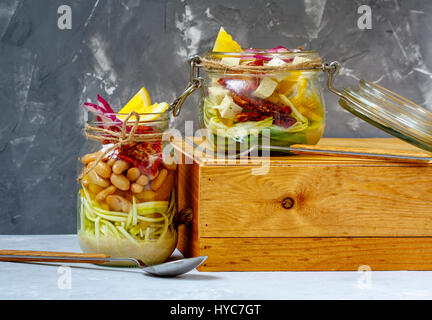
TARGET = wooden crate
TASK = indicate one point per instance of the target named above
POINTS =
(308, 212)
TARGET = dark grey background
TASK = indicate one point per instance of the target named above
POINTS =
(116, 46)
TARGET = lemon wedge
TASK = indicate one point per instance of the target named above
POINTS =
(138, 103)
(141, 104)
(154, 111)
(225, 43)
(148, 113)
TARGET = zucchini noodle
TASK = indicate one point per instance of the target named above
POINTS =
(129, 219)
(109, 217)
(126, 234)
(97, 227)
(147, 234)
(111, 228)
(147, 221)
(165, 227)
(134, 212)
(82, 220)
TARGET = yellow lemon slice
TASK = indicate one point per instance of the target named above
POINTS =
(137, 103)
(153, 111)
(225, 43)
(141, 104)
(148, 113)
(287, 85)
(302, 87)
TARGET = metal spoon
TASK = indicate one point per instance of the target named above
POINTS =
(395, 155)
(167, 269)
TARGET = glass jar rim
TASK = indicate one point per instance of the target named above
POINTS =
(113, 119)
(308, 60)
(263, 52)
(139, 113)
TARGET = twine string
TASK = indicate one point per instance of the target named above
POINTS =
(215, 64)
(118, 138)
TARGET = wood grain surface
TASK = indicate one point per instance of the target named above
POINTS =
(327, 202)
(188, 197)
(316, 254)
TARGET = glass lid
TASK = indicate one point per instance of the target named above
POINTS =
(386, 110)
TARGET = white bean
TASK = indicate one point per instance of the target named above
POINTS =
(120, 181)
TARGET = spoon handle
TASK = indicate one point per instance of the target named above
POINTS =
(49, 256)
(362, 153)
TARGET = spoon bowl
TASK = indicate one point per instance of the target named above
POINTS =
(175, 268)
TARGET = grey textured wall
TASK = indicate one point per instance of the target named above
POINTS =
(116, 46)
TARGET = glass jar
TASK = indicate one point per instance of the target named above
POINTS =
(277, 95)
(256, 94)
(240, 102)
(126, 197)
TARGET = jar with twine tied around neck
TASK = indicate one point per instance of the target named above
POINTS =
(249, 95)
(271, 99)
(127, 198)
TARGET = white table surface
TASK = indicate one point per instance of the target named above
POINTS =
(36, 281)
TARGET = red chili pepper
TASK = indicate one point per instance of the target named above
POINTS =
(259, 105)
(134, 162)
(144, 129)
(250, 116)
(256, 62)
(146, 156)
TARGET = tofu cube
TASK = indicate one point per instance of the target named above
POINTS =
(299, 60)
(228, 109)
(230, 61)
(266, 88)
(275, 62)
(280, 76)
(217, 94)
